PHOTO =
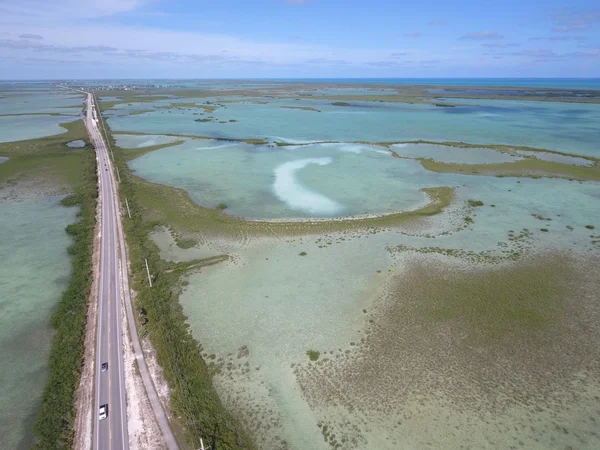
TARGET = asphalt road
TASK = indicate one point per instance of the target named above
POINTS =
(110, 433)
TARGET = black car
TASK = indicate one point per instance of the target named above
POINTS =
(104, 367)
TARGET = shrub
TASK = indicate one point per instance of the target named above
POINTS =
(313, 355)
(475, 203)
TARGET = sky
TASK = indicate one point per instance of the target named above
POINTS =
(75, 39)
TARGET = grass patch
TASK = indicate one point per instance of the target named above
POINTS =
(303, 253)
(521, 298)
(590, 227)
(47, 157)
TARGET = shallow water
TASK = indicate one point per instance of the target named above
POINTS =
(553, 157)
(275, 298)
(34, 270)
(135, 141)
(447, 154)
(76, 144)
(41, 101)
(556, 126)
(280, 304)
(19, 128)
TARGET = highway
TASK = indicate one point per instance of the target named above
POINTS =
(111, 432)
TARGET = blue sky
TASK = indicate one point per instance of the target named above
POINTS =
(298, 38)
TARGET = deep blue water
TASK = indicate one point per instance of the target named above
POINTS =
(564, 83)
(558, 83)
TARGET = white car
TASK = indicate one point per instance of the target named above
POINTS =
(103, 412)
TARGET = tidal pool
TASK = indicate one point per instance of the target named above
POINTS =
(319, 180)
(34, 270)
(136, 141)
(554, 157)
(448, 154)
(76, 144)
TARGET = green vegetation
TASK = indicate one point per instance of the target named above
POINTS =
(247, 141)
(412, 94)
(475, 203)
(54, 428)
(341, 104)
(468, 219)
(313, 355)
(522, 168)
(47, 158)
(303, 253)
(305, 108)
(500, 301)
(131, 97)
(545, 230)
(129, 154)
(590, 227)
(194, 401)
(221, 206)
(174, 208)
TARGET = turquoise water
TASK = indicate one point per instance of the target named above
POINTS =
(55, 101)
(19, 128)
(565, 127)
(39, 101)
(34, 267)
(34, 270)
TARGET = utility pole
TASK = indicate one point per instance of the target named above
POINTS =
(148, 272)
(128, 211)
(118, 176)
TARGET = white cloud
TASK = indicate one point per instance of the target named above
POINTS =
(36, 37)
(483, 36)
(567, 20)
(25, 10)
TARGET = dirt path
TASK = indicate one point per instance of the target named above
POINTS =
(144, 432)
